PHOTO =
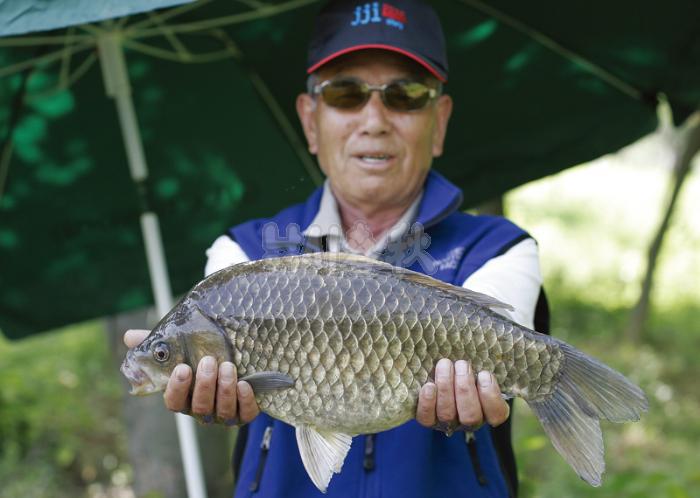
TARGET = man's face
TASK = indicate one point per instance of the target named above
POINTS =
(375, 158)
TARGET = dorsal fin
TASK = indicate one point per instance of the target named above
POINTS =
(365, 264)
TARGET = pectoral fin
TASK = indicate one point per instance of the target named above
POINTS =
(322, 453)
(268, 381)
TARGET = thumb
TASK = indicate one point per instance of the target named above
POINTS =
(134, 337)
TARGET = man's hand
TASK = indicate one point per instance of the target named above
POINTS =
(456, 398)
(217, 391)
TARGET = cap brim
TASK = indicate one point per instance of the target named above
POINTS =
(410, 55)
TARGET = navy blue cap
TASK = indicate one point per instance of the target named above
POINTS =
(408, 27)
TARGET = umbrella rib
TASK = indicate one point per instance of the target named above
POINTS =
(32, 41)
(93, 30)
(20, 66)
(253, 4)
(69, 81)
(177, 45)
(287, 129)
(66, 60)
(277, 112)
(122, 21)
(178, 56)
(5, 156)
(8, 144)
(169, 14)
(548, 42)
(264, 12)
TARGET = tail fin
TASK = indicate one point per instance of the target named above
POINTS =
(586, 391)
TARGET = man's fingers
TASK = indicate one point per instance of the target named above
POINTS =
(469, 408)
(247, 406)
(425, 414)
(178, 389)
(204, 387)
(444, 376)
(495, 409)
(134, 337)
(226, 392)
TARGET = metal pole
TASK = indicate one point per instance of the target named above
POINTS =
(117, 86)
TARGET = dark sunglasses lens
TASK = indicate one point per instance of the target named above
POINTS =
(345, 94)
(407, 95)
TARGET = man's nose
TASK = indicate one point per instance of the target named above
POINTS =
(375, 118)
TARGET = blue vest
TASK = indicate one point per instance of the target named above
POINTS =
(408, 461)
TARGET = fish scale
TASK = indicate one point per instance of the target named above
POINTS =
(357, 312)
(339, 345)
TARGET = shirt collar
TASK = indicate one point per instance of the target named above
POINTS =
(438, 199)
(327, 223)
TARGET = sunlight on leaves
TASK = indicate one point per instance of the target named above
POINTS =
(475, 35)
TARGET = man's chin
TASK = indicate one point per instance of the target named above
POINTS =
(381, 191)
(376, 167)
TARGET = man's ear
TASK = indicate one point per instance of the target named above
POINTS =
(443, 110)
(305, 109)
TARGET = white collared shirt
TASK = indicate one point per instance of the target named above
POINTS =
(513, 277)
(327, 223)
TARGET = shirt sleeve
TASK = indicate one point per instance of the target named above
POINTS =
(222, 253)
(514, 278)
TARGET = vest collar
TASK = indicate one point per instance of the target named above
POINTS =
(440, 199)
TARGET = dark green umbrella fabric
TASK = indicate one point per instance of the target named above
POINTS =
(538, 87)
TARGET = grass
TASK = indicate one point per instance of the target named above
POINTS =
(653, 457)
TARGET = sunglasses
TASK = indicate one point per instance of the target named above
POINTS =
(351, 93)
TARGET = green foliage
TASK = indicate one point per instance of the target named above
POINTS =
(60, 420)
(653, 457)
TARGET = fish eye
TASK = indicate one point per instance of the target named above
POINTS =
(161, 352)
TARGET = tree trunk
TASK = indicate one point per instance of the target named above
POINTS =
(492, 206)
(687, 146)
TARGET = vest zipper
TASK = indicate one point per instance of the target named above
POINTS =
(264, 449)
(470, 438)
(368, 461)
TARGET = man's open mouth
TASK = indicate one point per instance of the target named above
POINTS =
(378, 159)
(375, 158)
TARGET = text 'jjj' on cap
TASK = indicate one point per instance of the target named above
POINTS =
(408, 27)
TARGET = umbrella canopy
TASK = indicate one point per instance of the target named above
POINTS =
(75, 184)
(31, 16)
(538, 88)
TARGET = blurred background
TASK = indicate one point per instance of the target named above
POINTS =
(62, 423)
(578, 123)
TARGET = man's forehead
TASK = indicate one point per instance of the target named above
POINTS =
(375, 59)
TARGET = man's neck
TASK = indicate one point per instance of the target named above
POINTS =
(363, 225)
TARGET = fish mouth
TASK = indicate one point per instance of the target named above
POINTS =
(141, 384)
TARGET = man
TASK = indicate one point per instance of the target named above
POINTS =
(375, 117)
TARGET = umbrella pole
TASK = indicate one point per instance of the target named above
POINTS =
(117, 86)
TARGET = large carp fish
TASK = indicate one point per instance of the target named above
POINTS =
(339, 345)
